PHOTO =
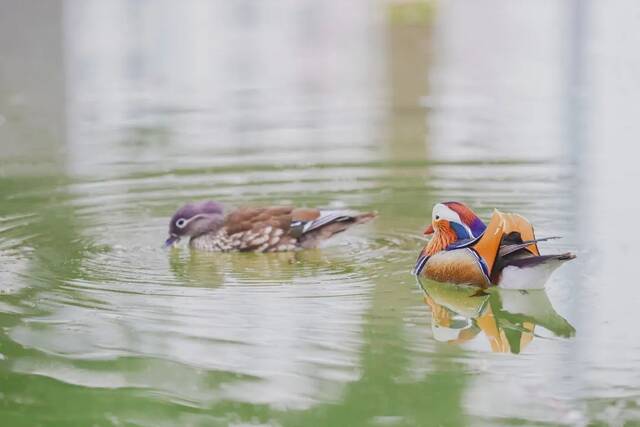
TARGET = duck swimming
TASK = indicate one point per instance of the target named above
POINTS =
(257, 229)
(463, 250)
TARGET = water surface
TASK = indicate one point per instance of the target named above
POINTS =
(142, 112)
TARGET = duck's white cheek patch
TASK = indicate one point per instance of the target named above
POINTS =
(443, 212)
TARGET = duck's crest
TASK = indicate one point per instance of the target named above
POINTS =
(468, 217)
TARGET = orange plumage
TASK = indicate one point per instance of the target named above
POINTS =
(443, 237)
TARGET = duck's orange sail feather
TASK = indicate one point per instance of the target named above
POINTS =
(489, 244)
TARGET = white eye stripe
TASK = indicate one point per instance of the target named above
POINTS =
(182, 222)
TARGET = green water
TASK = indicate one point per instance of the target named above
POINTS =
(104, 135)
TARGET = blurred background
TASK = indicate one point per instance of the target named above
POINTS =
(114, 113)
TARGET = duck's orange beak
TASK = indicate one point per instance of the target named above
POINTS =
(429, 230)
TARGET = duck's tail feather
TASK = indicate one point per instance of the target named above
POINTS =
(511, 248)
(534, 261)
(325, 227)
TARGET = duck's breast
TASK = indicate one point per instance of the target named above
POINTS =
(212, 242)
(459, 266)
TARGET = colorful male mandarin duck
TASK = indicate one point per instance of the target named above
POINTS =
(257, 229)
(464, 250)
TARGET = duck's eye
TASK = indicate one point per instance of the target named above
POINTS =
(180, 223)
(437, 217)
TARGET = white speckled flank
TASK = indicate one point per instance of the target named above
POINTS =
(267, 239)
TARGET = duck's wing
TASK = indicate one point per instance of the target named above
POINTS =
(522, 230)
(511, 247)
(312, 231)
(259, 228)
(250, 218)
(500, 226)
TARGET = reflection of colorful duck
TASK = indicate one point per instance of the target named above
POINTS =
(466, 251)
(506, 317)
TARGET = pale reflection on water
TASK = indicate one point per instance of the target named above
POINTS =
(123, 110)
(194, 84)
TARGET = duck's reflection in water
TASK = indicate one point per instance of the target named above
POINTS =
(214, 269)
(507, 318)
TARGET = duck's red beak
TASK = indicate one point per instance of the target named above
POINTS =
(429, 230)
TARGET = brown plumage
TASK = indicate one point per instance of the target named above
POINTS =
(257, 229)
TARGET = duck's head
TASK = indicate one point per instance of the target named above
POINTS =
(456, 220)
(194, 219)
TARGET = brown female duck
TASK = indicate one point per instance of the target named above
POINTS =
(257, 229)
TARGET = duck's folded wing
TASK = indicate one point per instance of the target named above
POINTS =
(251, 229)
(244, 219)
(501, 224)
(308, 220)
(311, 232)
(519, 224)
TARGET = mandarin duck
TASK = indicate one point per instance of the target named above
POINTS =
(463, 250)
(257, 229)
